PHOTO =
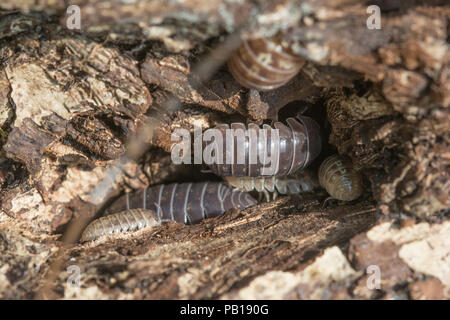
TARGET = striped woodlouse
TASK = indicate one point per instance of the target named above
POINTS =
(180, 202)
(185, 202)
(298, 144)
(264, 64)
(128, 220)
(340, 179)
(297, 183)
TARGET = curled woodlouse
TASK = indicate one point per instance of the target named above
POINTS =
(185, 202)
(339, 178)
(128, 220)
(264, 64)
(292, 147)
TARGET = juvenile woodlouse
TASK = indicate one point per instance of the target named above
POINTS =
(185, 202)
(299, 144)
(128, 220)
(264, 64)
(340, 179)
(297, 183)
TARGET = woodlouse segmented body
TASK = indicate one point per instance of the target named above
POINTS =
(185, 202)
(128, 220)
(340, 179)
(299, 182)
(264, 64)
(298, 144)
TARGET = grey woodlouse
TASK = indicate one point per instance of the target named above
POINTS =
(297, 183)
(180, 202)
(264, 64)
(185, 202)
(128, 220)
(340, 179)
(299, 144)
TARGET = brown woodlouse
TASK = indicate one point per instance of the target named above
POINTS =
(299, 144)
(264, 64)
(185, 202)
(128, 220)
(297, 183)
(340, 179)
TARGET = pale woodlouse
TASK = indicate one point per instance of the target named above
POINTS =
(264, 64)
(338, 176)
(299, 144)
(128, 220)
(300, 182)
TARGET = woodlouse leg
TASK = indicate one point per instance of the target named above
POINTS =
(325, 201)
(275, 195)
(158, 212)
(260, 196)
(266, 195)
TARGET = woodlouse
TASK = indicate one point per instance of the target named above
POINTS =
(185, 202)
(299, 144)
(340, 179)
(264, 64)
(128, 220)
(299, 182)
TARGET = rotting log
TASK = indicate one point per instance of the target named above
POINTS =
(70, 101)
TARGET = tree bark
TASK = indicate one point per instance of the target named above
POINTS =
(71, 102)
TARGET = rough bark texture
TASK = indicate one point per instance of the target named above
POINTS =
(70, 101)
